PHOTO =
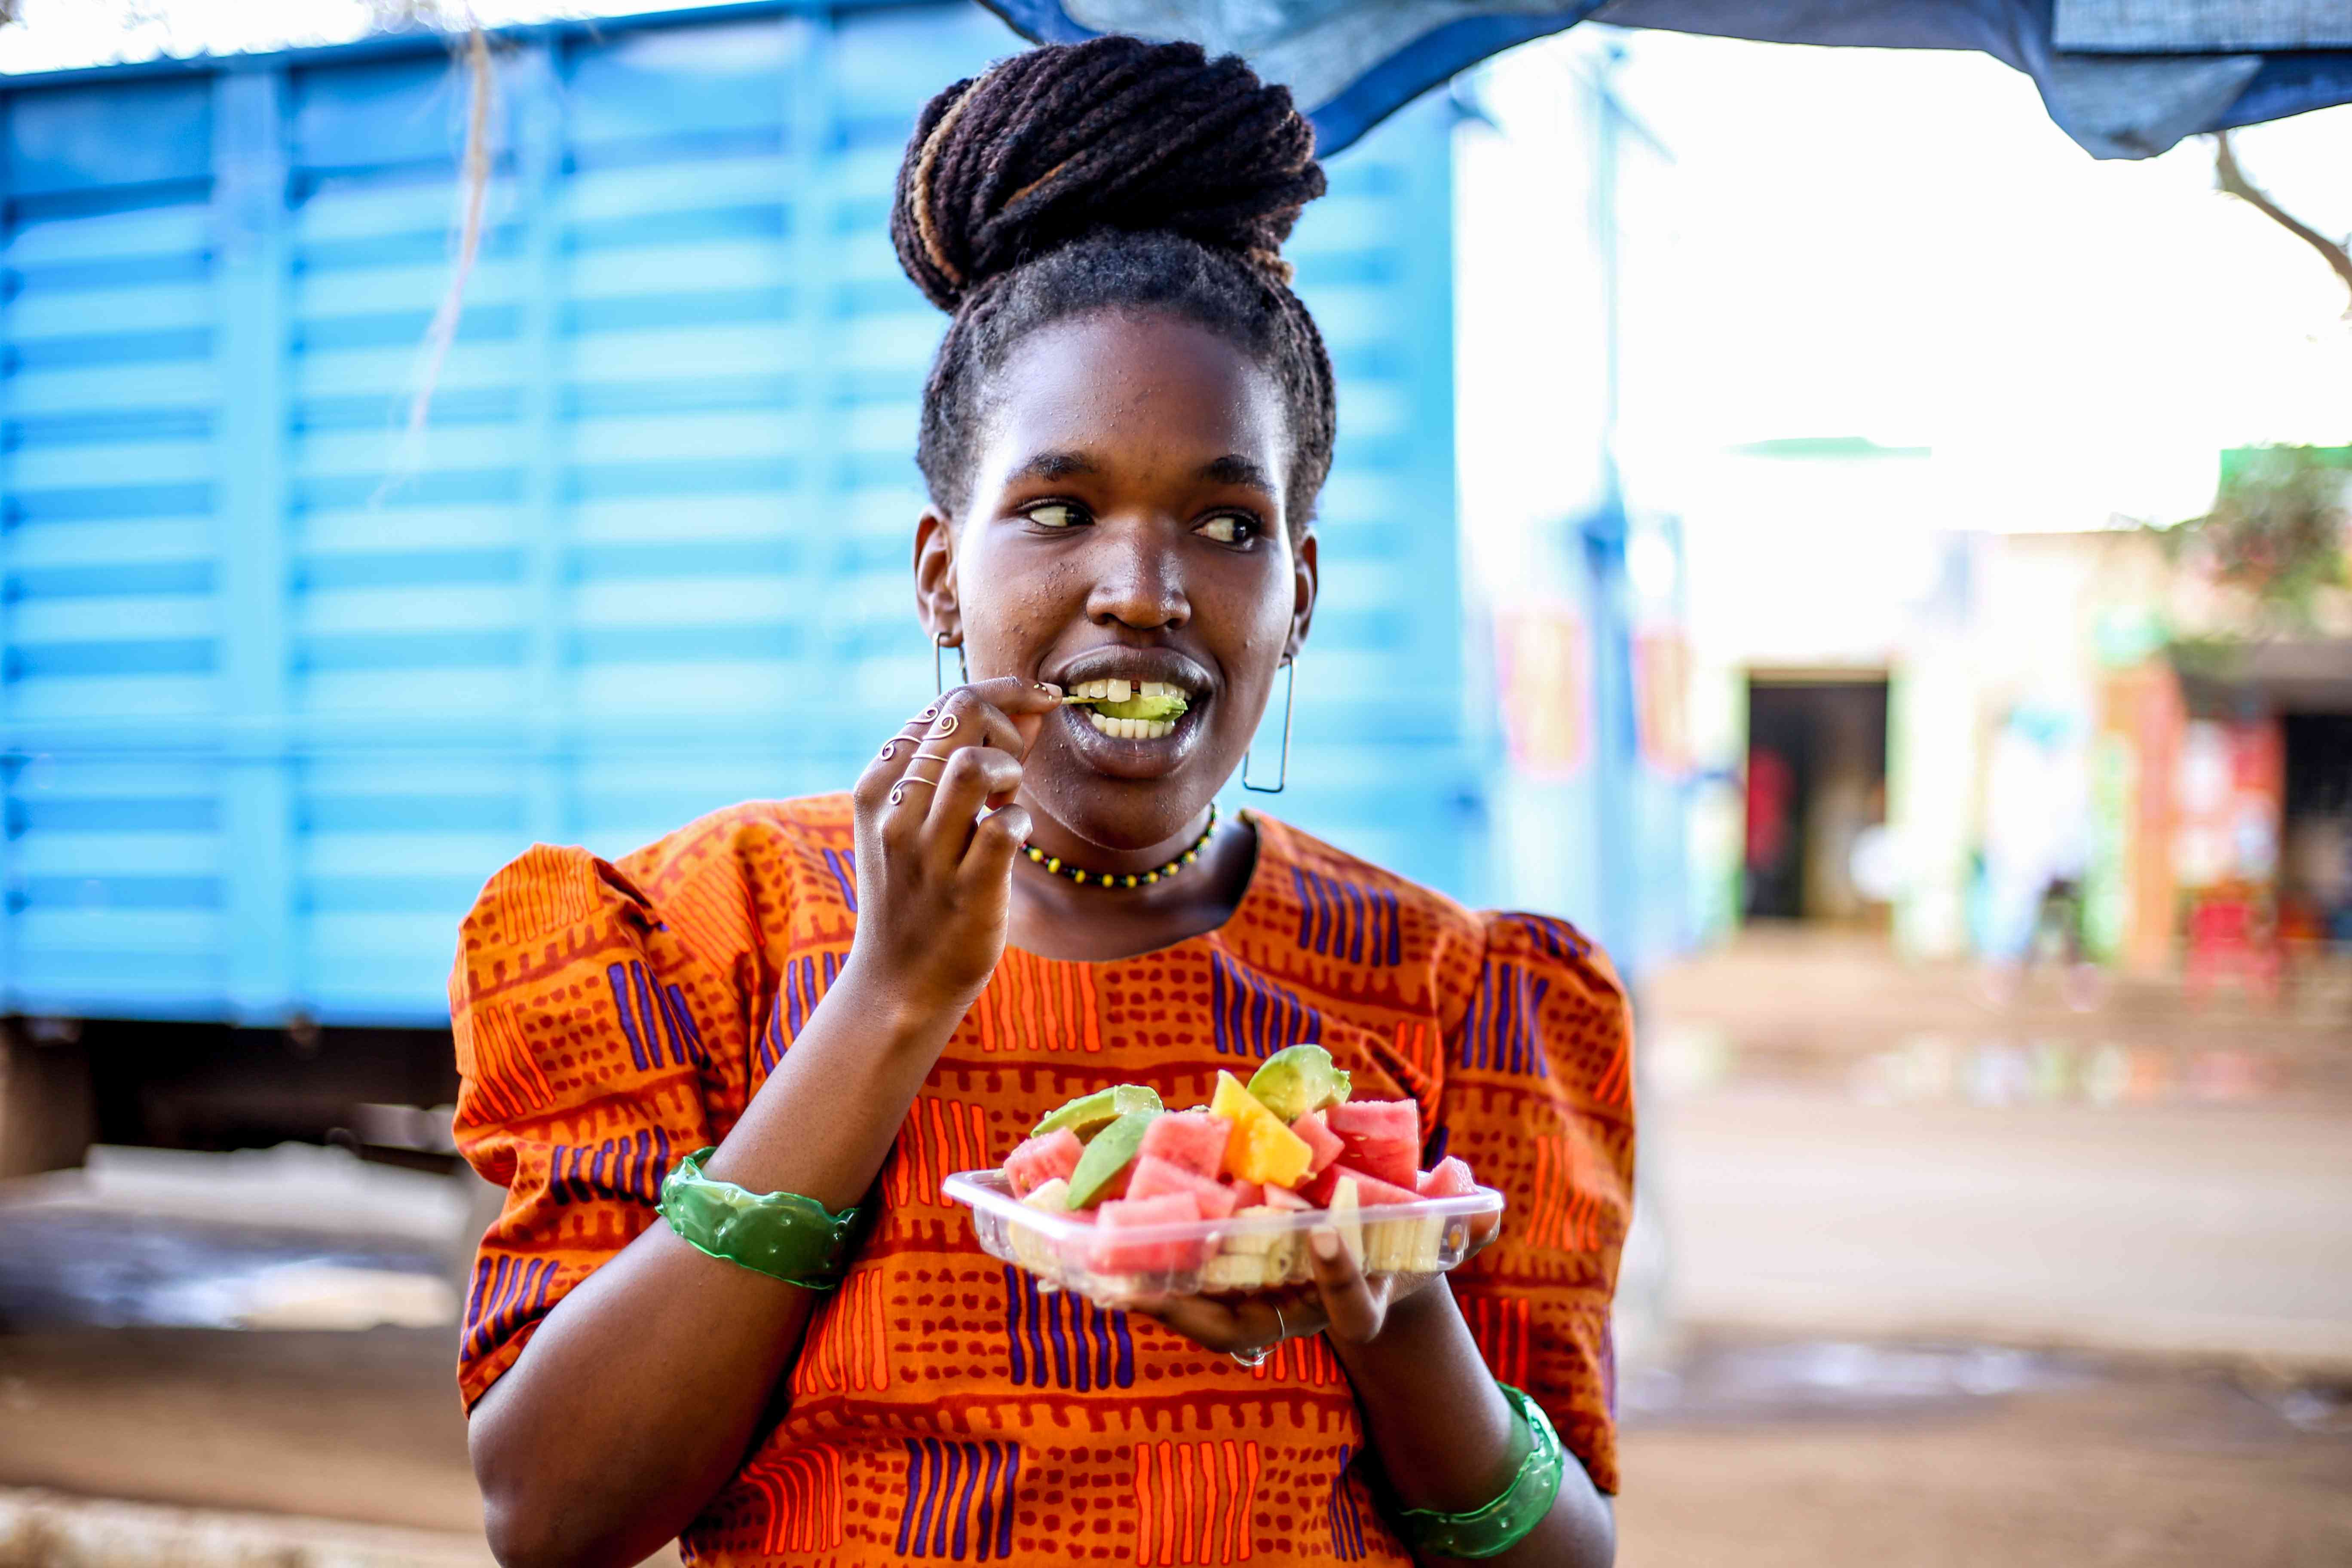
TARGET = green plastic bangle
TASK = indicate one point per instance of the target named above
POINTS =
(1503, 1523)
(781, 1234)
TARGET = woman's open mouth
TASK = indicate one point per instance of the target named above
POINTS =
(1130, 709)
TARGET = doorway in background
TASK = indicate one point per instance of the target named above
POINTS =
(1816, 781)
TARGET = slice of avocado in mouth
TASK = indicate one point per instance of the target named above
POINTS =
(1141, 707)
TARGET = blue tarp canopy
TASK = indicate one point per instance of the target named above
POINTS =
(2127, 79)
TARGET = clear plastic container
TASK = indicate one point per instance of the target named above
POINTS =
(1211, 1256)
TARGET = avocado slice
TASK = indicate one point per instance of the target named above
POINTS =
(1107, 1156)
(1297, 1079)
(1142, 707)
(1089, 1114)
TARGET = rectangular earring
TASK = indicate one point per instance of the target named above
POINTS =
(938, 664)
(1282, 770)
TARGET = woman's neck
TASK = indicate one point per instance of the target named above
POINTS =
(1053, 917)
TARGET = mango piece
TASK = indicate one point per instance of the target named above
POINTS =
(1262, 1148)
(1297, 1079)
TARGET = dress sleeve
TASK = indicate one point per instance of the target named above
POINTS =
(596, 1045)
(1537, 1097)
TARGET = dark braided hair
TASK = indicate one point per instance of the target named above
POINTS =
(1111, 175)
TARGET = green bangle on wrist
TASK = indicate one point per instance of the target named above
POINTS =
(781, 1234)
(1495, 1529)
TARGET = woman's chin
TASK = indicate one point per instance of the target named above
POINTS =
(1132, 758)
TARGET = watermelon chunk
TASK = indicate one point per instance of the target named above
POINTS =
(1153, 1176)
(1191, 1141)
(1370, 1191)
(1382, 1138)
(1449, 1178)
(1114, 1255)
(1320, 1140)
(1247, 1195)
(1041, 1160)
(1286, 1201)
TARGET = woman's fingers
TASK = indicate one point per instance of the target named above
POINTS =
(964, 719)
(1355, 1312)
(1240, 1325)
(987, 712)
(996, 838)
(968, 777)
(888, 765)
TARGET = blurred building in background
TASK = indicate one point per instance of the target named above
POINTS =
(1986, 742)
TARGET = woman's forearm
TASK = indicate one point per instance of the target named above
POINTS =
(1448, 1440)
(640, 1391)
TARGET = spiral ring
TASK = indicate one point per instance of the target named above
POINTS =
(946, 726)
(890, 749)
(898, 790)
(1257, 1357)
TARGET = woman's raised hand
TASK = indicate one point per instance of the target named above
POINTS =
(934, 876)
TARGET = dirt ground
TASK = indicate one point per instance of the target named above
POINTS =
(2152, 1467)
(2093, 1463)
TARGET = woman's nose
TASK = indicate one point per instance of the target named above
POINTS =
(1139, 579)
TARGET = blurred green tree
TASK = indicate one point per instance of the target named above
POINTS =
(2280, 530)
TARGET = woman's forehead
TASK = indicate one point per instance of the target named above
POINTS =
(1128, 391)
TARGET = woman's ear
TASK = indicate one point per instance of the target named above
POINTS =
(935, 578)
(1303, 582)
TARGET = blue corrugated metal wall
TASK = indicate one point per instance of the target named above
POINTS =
(268, 725)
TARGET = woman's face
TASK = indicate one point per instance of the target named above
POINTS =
(1126, 521)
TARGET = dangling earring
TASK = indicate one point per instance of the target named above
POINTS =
(939, 666)
(1282, 774)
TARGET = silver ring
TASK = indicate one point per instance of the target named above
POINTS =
(898, 790)
(1257, 1357)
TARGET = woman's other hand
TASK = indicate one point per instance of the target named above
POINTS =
(933, 874)
(1349, 1305)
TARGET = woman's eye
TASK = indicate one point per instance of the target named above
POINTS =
(1054, 514)
(1230, 528)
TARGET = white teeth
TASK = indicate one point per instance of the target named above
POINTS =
(1122, 690)
(1132, 729)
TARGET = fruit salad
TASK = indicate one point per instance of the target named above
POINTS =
(1119, 1197)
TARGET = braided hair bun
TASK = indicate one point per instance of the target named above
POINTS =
(1110, 175)
(1115, 134)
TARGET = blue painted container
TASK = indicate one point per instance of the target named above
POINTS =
(268, 723)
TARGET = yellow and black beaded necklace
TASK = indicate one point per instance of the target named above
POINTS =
(1085, 879)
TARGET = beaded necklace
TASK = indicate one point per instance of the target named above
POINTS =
(1085, 879)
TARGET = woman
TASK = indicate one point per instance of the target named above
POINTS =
(1022, 900)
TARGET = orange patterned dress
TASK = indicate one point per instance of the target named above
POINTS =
(610, 1017)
